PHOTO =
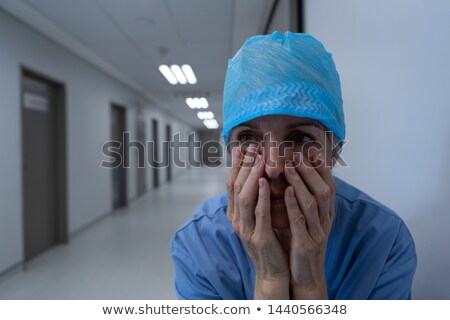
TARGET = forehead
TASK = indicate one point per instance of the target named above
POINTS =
(280, 121)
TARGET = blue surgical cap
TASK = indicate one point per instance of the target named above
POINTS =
(290, 74)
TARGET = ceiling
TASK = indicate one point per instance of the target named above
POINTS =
(136, 36)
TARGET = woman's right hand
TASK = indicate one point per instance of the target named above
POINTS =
(249, 214)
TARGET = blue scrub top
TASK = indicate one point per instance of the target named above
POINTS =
(370, 252)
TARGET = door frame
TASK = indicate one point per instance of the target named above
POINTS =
(59, 141)
(124, 153)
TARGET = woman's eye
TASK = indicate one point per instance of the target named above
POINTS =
(246, 137)
(301, 138)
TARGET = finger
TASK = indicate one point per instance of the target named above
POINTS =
(232, 175)
(297, 221)
(263, 220)
(317, 186)
(244, 171)
(327, 176)
(248, 196)
(305, 200)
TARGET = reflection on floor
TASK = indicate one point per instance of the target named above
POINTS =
(124, 256)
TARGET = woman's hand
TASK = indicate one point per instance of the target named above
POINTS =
(249, 214)
(310, 206)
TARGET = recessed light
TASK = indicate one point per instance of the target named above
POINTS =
(189, 73)
(178, 73)
(211, 124)
(197, 103)
(167, 73)
(205, 115)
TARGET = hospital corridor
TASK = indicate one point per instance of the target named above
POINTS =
(113, 258)
(116, 121)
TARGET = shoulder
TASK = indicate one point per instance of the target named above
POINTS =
(363, 213)
(209, 259)
(211, 212)
(369, 243)
(358, 214)
(353, 198)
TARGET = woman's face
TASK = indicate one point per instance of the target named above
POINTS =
(279, 138)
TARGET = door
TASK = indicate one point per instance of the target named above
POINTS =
(168, 152)
(43, 159)
(141, 178)
(119, 174)
(155, 153)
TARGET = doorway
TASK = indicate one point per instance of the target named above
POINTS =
(141, 175)
(44, 163)
(155, 151)
(168, 152)
(119, 174)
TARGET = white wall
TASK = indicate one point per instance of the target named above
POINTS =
(89, 93)
(393, 58)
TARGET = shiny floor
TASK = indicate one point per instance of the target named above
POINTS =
(123, 256)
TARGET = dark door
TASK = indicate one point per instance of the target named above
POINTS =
(119, 175)
(168, 152)
(43, 165)
(155, 153)
(141, 178)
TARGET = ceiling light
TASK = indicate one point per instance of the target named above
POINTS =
(197, 103)
(190, 103)
(211, 124)
(165, 70)
(178, 73)
(203, 103)
(205, 115)
(189, 73)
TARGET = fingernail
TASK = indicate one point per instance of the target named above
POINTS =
(318, 159)
(257, 160)
(290, 167)
(291, 192)
(236, 153)
(298, 158)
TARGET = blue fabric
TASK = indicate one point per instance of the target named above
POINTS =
(290, 74)
(370, 253)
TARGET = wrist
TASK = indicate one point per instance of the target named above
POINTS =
(271, 289)
(319, 292)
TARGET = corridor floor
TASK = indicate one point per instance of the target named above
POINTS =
(123, 256)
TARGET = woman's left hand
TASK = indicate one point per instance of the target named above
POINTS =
(310, 207)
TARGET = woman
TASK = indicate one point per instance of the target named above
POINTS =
(286, 228)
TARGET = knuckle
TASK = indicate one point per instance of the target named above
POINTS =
(259, 212)
(299, 220)
(243, 201)
(307, 248)
(326, 193)
(260, 242)
(237, 187)
(311, 204)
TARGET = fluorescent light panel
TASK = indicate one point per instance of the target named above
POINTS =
(211, 123)
(178, 75)
(167, 73)
(189, 73)
(205, 115)
(197, 103)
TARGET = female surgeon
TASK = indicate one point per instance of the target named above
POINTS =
(287, 228)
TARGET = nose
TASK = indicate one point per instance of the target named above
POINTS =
(275, 162)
